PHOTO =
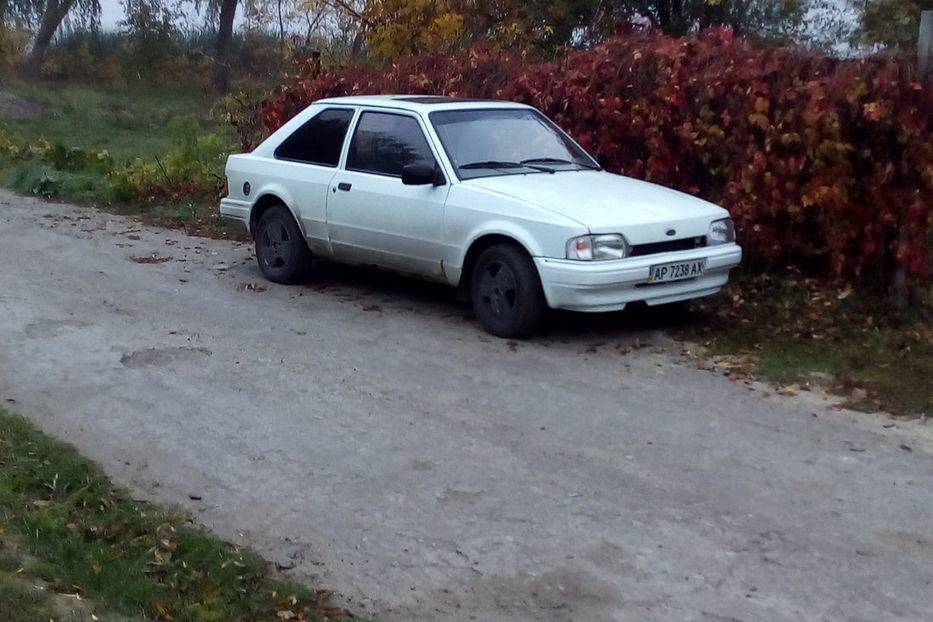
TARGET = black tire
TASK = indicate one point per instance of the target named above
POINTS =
(506, 292)
(281, 250)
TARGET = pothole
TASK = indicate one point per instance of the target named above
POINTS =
(163, 356)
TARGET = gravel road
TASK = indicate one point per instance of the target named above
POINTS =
(364, 429)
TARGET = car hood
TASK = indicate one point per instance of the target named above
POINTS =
(607, 203)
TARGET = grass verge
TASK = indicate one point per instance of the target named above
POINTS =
(154, 151)
(67, 533)
(796, 332)
(129, 122)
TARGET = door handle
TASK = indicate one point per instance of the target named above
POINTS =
(344, 186)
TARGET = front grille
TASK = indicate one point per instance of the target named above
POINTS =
(685, 244)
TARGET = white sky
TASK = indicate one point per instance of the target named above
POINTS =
(111, 13)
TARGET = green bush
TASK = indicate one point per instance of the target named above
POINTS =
(193, 167)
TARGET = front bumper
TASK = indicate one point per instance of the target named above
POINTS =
(610, 285)
(236, 210)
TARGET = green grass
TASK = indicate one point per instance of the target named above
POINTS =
(31, 177)
(72, 531)
(128, 122)
(785, 329)
(21, 602)
(116, 148)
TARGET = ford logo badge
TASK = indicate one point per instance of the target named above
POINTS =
(671, 232)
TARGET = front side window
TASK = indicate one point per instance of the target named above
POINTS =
(318, 141)
(385, 143)
(486, 142)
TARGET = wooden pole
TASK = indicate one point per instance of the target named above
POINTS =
(925, 67)
(925, 44)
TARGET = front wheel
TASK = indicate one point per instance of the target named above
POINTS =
(506, 292)
(281, 250)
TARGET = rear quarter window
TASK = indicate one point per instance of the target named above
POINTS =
(320, 140)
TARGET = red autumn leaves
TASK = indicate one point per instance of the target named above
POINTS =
(825, 163)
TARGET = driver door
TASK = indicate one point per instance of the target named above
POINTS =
(372, 217)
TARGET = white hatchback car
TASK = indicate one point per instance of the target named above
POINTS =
(490, 197)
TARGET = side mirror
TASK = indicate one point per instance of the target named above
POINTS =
(422, 175)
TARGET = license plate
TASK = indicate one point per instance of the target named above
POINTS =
(676, 271)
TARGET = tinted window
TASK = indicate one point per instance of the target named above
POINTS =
(385, 143)
(319, 140)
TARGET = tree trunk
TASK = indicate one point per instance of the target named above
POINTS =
(356, 49)
(222, 54)
(281, 23)
(664, 13)
(55, 11)
(677, 8)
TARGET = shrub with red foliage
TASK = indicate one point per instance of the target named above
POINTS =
(825, 163)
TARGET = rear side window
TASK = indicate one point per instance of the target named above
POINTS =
(318, 141)
(385, 143)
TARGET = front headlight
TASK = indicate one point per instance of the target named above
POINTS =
(597, 247)
(721, 232)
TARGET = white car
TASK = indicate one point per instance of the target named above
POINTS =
(490, 197)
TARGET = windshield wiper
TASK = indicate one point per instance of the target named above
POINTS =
(546, 160)
(560, 161)
(505, 164)
(493, 164)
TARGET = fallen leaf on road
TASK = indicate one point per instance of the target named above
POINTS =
(906, 447)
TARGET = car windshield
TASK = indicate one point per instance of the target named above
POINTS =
(488, 142)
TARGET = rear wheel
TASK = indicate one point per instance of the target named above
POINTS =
(506, 292)
(281, 249)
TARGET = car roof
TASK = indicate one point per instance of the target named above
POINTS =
(419, 103)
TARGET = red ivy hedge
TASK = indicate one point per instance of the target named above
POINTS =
(825, 164)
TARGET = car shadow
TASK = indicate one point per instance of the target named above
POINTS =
(371, 286)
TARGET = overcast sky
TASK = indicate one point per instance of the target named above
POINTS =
(111, 13)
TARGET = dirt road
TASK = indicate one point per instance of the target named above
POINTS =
(364, 430)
